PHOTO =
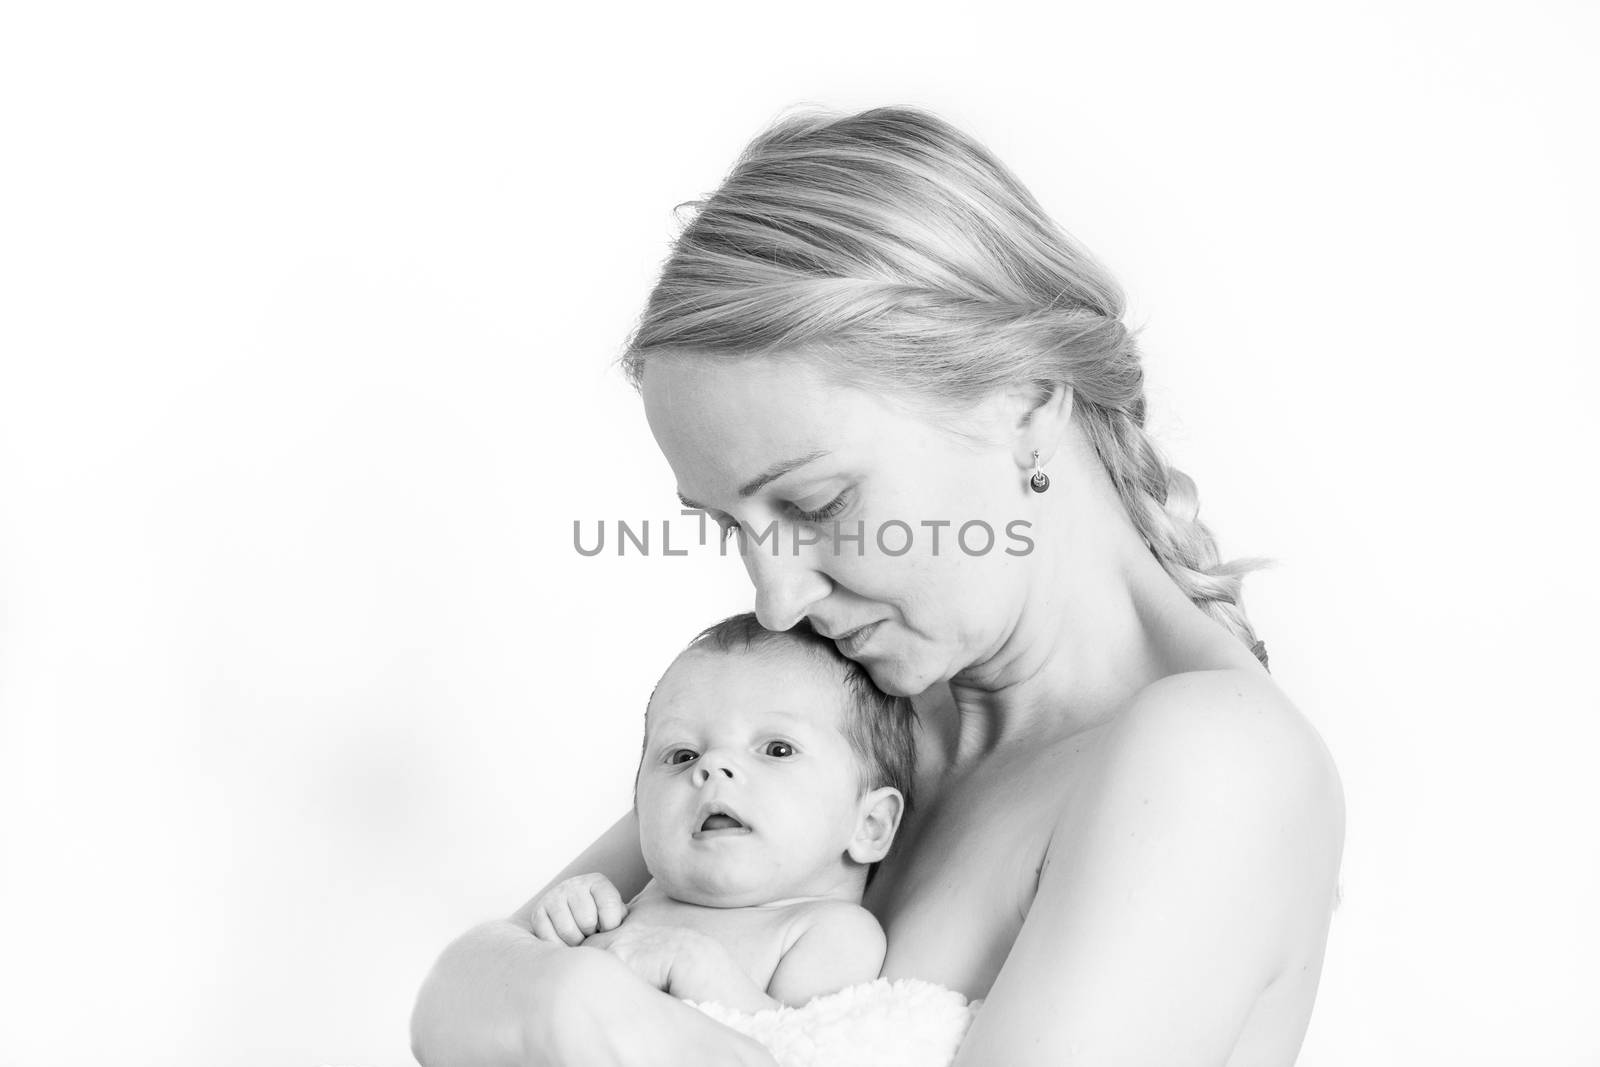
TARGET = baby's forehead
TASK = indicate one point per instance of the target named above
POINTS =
(786, 719)
(771, 685)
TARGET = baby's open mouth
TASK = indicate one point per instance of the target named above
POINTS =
(715, 817)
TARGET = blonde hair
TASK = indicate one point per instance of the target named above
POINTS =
(900, 254)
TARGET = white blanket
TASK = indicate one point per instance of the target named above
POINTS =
(904, 1023)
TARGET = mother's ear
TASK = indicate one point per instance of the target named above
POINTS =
(877, 819)
(1041, 417)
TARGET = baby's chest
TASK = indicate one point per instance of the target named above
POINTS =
(756, 938)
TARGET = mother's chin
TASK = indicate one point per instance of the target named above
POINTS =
(897, 673)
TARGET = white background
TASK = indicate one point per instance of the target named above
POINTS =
(308, 320)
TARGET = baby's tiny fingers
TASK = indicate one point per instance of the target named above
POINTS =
(561, 919)
(583, 912)
(542, 928)
(609, 908)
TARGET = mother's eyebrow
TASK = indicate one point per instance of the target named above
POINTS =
(771, 474)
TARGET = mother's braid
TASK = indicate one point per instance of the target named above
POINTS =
(1102, 364)
(1164, 506)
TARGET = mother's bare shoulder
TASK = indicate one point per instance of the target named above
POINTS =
(1191, 866)
(1235, 722)
(1219, 761)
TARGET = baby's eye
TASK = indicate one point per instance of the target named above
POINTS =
(681, 755)
(779, 749)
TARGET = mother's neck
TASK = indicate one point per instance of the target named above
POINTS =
(1089, 636)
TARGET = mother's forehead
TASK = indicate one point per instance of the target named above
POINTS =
(695, 389)
(731, 421)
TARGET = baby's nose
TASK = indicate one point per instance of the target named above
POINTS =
(708, 767)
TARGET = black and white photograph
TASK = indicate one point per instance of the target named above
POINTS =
(839, 535)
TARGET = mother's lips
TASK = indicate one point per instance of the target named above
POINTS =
(835, 634)
(851, 642)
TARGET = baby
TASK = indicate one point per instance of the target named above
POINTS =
(774, 774)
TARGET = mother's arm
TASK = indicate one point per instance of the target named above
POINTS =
(1197, 864)
(500, 996)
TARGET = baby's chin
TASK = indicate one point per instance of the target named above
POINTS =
(732, 894)
(738, 889)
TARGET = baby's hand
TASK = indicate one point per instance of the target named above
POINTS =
(578, 907)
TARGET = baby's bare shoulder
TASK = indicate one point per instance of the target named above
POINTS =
(832, 944)
(835, 912)
(834, 921)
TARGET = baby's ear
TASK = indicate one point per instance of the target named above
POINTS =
(879, 818)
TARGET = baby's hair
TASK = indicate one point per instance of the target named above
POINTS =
(877, 725)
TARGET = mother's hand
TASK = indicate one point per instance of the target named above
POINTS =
(605, 1016)
(649, 951)
(685, 964)
(500, 997)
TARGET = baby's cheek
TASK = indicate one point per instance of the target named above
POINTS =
(650, 836)
(659, 845)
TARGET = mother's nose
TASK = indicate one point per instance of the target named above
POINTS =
(787, 584)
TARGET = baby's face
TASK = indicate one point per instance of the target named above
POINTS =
(748, 791)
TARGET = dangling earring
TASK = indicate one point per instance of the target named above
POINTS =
(1040, 480)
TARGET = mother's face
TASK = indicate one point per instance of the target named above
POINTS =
(772, 446)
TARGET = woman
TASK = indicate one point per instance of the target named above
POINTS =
(1125, 836)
